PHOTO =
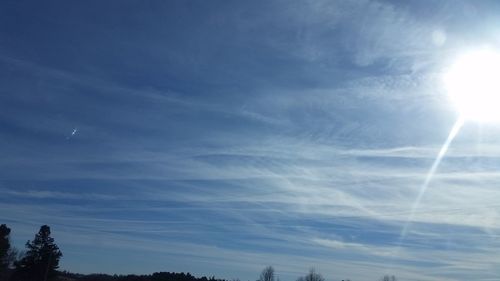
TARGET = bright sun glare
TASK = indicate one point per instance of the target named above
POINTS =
(473, 84)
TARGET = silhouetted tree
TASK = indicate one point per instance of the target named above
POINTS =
(7, 253)
(388, 278)
(311, 276)
(4, 247)
(41, 260)
(267, 274)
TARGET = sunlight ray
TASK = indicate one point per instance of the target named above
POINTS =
(453, 133)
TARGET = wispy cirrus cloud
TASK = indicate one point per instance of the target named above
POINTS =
(292, 134)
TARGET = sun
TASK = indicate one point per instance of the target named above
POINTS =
(473, 85)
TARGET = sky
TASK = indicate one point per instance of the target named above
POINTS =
(219, 137)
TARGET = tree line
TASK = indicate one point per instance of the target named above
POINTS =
(40, 262)
(157, 276)
(267, 274)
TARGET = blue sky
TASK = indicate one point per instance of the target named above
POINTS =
(218, 137)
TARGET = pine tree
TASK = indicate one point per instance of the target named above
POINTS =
(41, 260)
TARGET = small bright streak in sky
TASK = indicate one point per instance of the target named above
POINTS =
(73, 133)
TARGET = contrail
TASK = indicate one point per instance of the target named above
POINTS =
(453, 133)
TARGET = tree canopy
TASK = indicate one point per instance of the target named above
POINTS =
(312, 276)
(267, 274)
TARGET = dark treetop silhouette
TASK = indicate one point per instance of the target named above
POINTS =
(7, 254)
